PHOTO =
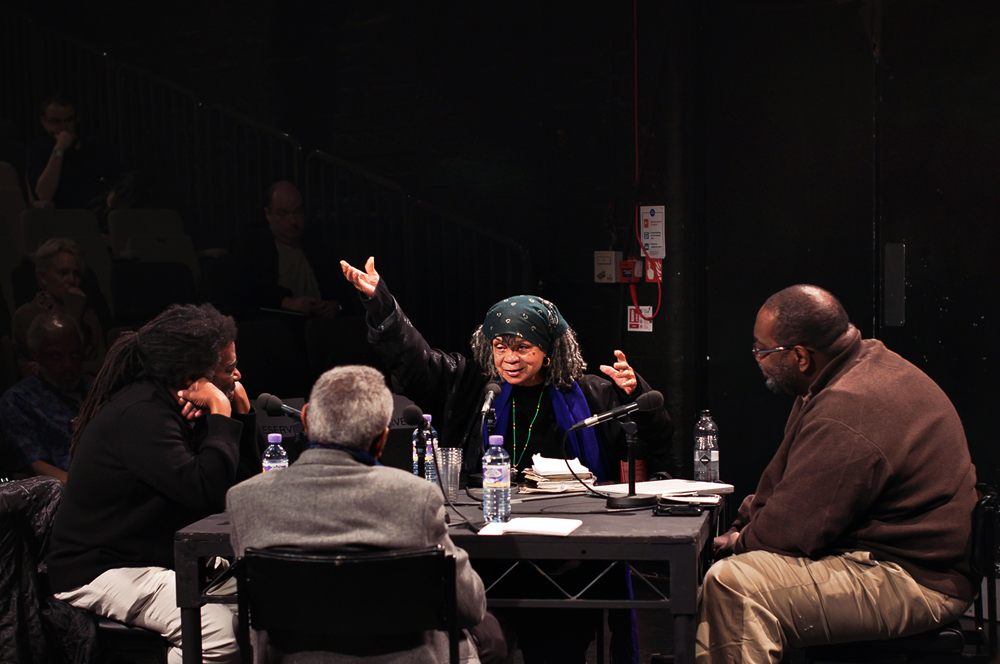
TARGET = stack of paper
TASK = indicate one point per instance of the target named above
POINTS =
(552, 476)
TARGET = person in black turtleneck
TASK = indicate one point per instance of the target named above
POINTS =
(525, 343)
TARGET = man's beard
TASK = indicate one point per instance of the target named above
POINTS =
(778, 382)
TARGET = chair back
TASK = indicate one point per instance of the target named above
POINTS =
(125, 222)
(984, 562)
(164, 248)
(358, 603)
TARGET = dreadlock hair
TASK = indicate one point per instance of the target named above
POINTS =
(183, 341)
(566, 361)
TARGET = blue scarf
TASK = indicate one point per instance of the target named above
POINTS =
(359, 455)
(569, 408)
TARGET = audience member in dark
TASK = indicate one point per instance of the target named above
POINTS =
(36, 414)
(165, 430)
(336, 496)
(59, 269)
(284, 267)
(69, 169)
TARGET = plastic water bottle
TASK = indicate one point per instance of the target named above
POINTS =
(275, 455)
(706, 449)
(425, 442)
(496, 481)
(430, 450)
(418, 452)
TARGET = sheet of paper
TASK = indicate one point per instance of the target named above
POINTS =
(669, 487)
(533, 526)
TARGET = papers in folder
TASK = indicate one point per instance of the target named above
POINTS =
(671, 488)
(533, 526)
(552, 476)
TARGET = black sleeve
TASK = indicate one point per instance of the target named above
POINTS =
(258, 271)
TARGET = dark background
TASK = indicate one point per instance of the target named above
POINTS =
(789, 142)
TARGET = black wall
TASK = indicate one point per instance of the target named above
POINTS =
(833, 130)
(790, 141)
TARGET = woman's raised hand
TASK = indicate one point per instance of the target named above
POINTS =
(364, 281)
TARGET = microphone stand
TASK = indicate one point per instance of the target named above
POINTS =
(632, 500)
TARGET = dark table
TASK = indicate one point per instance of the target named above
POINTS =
(665, 555)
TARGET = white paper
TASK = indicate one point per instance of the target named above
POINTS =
(670, 487)
(546, 466)
(532, 526)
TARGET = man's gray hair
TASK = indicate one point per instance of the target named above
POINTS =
(349, 406)
(50, 326)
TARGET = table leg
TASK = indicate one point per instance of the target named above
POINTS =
(191, 635)
(683, 639)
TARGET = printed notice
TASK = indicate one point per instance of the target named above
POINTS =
(637, 323)
(653, 221)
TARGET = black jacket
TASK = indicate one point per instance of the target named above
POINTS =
(141, 472)
(451, 387)
(35, 627)
(258, 269)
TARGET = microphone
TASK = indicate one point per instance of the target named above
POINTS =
(492, 390)
(413, 416)
(272, 405)
(648, 401)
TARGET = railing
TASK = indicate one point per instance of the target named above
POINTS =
(213, 165)
(438, 265)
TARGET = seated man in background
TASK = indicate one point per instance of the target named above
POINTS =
(860, 528)
(36, 414)
(283, 268)
(70, 171)
(165, 430)
(335, 496)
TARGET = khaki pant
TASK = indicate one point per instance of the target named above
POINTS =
(755, 605)
(147, 597)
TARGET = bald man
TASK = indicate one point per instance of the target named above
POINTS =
(284, 268)
(860, 526)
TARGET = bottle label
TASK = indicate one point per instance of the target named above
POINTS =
(496, 477)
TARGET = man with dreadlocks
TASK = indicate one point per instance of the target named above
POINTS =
(526, 343)
(164, 432)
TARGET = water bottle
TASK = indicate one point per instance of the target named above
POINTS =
(706, 449)
(418, 452)
(496, 481)
(430, 450)
(275, 455)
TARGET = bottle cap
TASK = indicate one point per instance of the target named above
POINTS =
(496, 440)
(427, 417)
(273, 438)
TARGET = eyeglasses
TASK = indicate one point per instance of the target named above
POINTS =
(758, 354)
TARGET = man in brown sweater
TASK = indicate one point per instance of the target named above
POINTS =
(860, 526)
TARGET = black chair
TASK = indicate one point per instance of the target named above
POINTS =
(357, 603)
(950, 642)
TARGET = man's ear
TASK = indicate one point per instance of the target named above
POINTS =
(379, 444)
(305, 427)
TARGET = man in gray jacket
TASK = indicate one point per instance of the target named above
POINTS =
(336, 495)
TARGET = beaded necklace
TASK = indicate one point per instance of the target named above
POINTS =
(513, 405)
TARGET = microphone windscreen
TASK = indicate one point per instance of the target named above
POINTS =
(269, 403)
(649, 401)
(413, 416)
(493, 387)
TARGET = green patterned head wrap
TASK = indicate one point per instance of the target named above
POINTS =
(526, 316)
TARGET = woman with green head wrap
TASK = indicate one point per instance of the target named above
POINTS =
(527, 346)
